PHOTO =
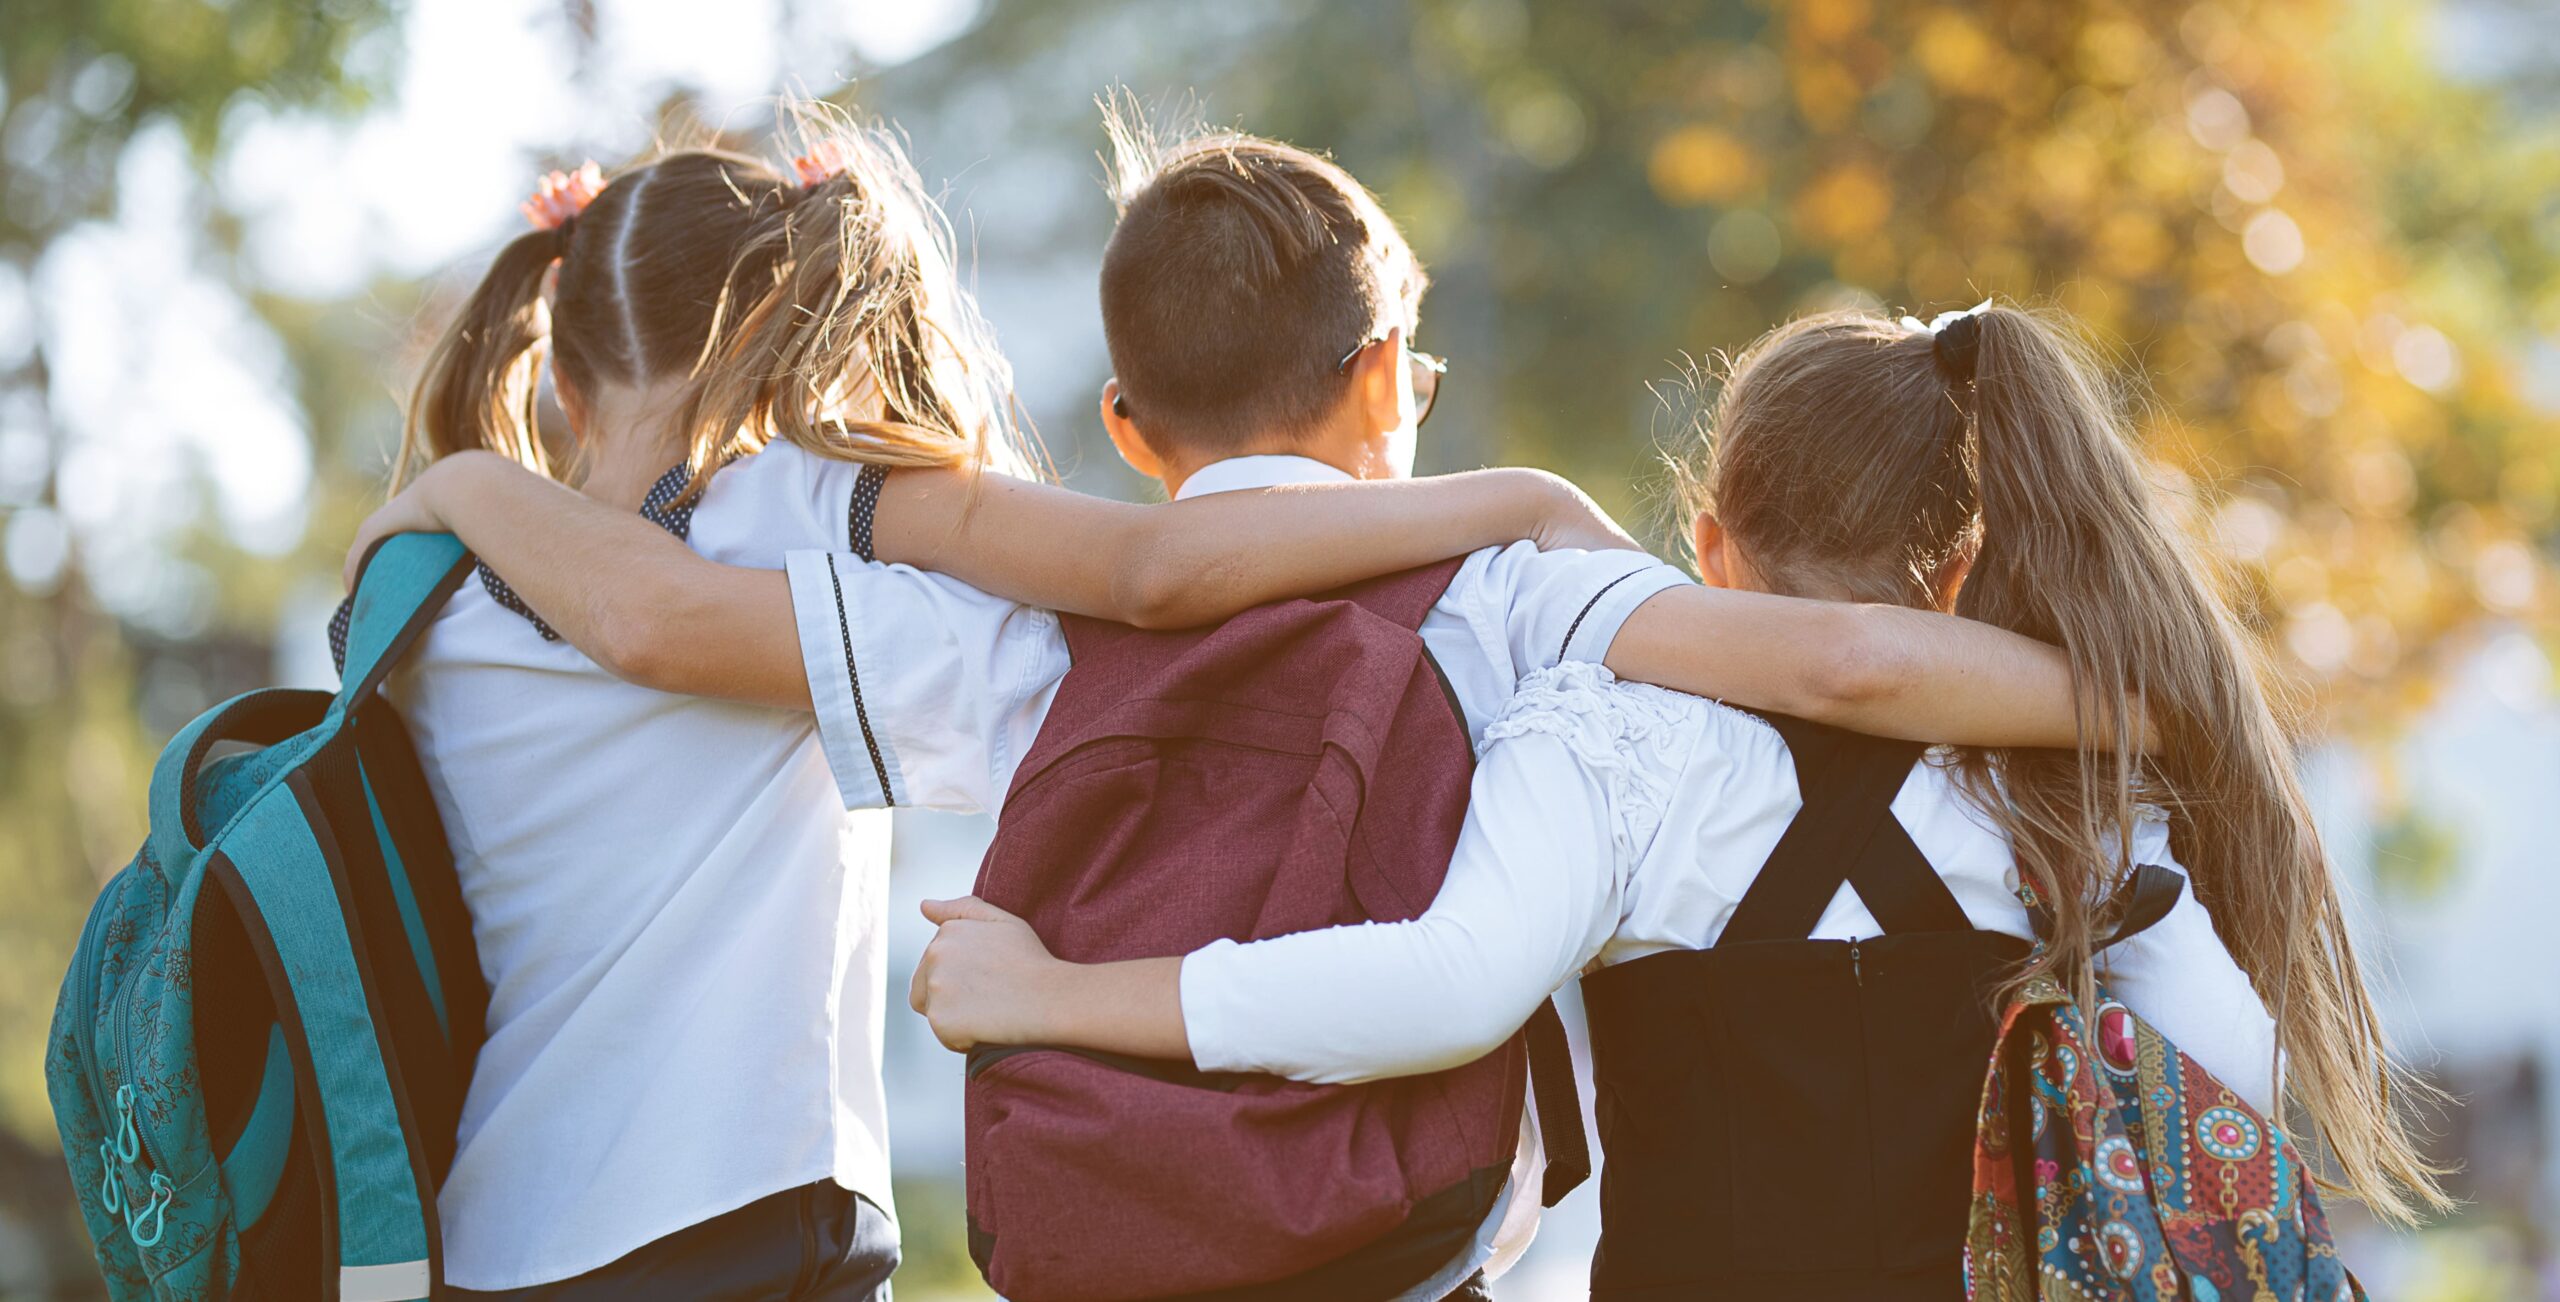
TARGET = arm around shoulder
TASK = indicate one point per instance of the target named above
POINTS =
(1204, 559)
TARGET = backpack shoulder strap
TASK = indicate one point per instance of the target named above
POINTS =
(1558, 1098)
(1844, 832)
(404, 582)
(2137, 906)
(1404, 598)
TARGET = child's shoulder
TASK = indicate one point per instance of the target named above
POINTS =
(784, 498)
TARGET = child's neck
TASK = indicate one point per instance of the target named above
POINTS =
(633, 436)
(1349, 453)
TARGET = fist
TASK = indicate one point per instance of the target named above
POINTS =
(982, 978)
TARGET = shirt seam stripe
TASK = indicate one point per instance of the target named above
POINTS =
(853, 679)
(1585, 612)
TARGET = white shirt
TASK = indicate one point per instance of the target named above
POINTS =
(929, 692)
(1610, 821)
(682, 930)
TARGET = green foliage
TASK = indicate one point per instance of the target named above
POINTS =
(81, 78)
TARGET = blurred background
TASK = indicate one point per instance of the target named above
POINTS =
(2324, 235)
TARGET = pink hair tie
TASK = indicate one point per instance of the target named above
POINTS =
(825, 161)
(561, 196)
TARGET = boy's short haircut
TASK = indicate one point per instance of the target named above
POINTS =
(1243, 269)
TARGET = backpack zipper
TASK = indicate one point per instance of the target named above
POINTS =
(1856, 973)
(85, 955)
(128, 1122)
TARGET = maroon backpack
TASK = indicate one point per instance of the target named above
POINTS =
(1303, 765)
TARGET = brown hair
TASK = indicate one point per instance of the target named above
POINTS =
(1240, 273)
(1854, 451)
(828, 315)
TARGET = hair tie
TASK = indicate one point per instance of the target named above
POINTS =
(1956, 348)
(1955, 340)
(560, 196)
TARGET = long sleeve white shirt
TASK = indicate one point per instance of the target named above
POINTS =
(1613, 820)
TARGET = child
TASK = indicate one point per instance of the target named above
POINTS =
(1257, 305)
(1787, 1119)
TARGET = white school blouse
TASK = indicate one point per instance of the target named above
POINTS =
(929, 692)
(1614, 820)
(682, 929)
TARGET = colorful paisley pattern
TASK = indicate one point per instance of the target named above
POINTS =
(2096, 1207)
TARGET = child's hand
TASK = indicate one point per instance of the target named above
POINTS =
(412, 510)
(408, 512)
(978, 981)
(1572, 519)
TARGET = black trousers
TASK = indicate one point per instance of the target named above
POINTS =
(819, 1242)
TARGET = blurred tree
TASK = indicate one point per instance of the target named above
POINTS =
(2325, 264)
(78, 80)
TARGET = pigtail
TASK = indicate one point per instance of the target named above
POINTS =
(482, 379)
(2077, 550)
(844, 329)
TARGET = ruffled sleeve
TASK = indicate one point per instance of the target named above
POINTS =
(1635, 738)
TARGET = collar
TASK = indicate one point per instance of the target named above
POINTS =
(657, 510)
(1262, 471)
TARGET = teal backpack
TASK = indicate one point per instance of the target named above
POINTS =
(259, 1055)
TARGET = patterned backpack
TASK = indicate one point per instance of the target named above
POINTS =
(259, 1055)
(2151, 1181)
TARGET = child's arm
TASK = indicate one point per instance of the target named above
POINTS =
(1886, 670)
(1531, 895)
(651, 611)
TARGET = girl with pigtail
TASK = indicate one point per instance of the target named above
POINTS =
(1793, 940)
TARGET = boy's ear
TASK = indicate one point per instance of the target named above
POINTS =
(1706, 533)
(1377, 383)
(1124, 433)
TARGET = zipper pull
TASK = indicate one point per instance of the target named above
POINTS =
(111, 1187)
(128, 1139)
(156, 1215)
(1856, 973)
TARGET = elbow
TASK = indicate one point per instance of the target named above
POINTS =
(1155, 592)
(1465, 1030)
(631, 643)
(1474, 1038)
(1859, 666)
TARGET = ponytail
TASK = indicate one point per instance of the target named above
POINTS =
(482, 379)
(860, 313)
(2076, 550)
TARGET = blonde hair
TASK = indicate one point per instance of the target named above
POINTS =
(1851, 449)
(828, 315)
